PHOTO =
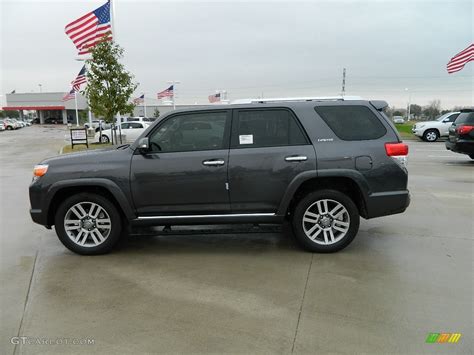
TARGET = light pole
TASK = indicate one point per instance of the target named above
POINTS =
(174, 82)
(409, 103)
(41, 87)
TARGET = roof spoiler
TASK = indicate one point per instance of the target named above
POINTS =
(379, 104)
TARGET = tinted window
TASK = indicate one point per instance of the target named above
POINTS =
(135, 125)
(465, 118)
(191, 132)
(352, 123)
(452, 118)
(266, 128)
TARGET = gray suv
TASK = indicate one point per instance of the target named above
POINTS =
(318, 163)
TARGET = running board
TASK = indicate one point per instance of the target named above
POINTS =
(210, 219)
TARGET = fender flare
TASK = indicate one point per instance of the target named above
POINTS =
(307, 175)
(109, 185)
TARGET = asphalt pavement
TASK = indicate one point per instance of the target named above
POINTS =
(403, 277)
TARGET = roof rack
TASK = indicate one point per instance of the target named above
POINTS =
(294, 99)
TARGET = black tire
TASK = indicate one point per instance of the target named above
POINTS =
(309, 202)
(115, 224)
(104, 139)
(431, 135)
(9, 128)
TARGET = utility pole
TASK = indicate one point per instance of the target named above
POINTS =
(41, 87)
(409, 104)
(343, 92)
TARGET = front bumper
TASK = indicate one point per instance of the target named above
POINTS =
(387, 203)
(417, 131)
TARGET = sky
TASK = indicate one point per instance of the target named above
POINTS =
(251, 48)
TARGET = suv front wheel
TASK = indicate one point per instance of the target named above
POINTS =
(325, 221)
(88, 224)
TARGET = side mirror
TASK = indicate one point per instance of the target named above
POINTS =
(144, 144)
(446, 120)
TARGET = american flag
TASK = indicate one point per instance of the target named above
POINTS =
(459, 60)
(80, 79)
(166, 93)
(139, 100)
(214, 98)
(90, 29)
(70, 95)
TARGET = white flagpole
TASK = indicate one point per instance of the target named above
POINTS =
(77, 112)
(144, 106)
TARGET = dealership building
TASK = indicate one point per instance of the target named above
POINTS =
(49, 106)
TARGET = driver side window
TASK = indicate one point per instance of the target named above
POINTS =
(191, 132)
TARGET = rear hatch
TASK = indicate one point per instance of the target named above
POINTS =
(463, 127)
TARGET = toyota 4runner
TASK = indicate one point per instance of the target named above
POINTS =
(318, 163)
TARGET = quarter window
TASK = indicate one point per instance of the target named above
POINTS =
(352, 123)
(266, 128)
(191, 132)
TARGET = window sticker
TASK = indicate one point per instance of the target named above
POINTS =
(246, 139)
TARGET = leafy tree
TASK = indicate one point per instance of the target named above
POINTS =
(397, 113)
(10, 114)
(109, 85)
(156, 113)
(415, 110)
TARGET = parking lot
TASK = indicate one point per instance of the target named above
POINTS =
(403, 277)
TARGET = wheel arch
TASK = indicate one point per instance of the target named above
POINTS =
(349, 182)
(61, 190)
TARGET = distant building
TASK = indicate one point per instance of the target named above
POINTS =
(49, 105)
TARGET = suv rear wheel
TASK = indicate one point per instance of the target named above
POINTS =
(325, 221)
(431, 135)
(88, 224)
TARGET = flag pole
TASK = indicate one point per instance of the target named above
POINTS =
(77, 112)
(144, 105)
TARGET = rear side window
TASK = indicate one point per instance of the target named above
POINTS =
(266, 128)
(465, 118)
(352, 123)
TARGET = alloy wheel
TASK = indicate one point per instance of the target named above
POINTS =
(87, 224)
(431, 136)
(326, 222)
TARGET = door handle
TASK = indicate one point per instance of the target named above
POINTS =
(215, 162)
(296, 158)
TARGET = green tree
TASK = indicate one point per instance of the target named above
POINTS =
(156, 113)
(109, 85)
(415, 110)
(10, 114)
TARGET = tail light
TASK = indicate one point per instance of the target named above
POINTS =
(464, 129)
(398, 152)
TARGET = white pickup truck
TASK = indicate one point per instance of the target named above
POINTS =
(430, 131)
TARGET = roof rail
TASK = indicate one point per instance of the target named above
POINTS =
(293, 99)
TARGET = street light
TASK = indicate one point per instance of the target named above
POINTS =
(41, 87)
(409, 103)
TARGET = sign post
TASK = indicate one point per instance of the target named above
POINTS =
(79, 136)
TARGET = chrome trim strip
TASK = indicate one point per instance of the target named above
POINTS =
(208, 216)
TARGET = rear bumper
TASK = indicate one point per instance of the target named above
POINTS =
(464, 147)
(387, 203)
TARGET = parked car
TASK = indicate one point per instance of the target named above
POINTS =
(130, 130)
(96, 124)
(461, 134)
(319, 163)
(11, 124)
(53, 120)
(140, 119)
(398, 119)
(431, 131)
(2, 126)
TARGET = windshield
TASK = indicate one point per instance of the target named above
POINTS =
(442, 117)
